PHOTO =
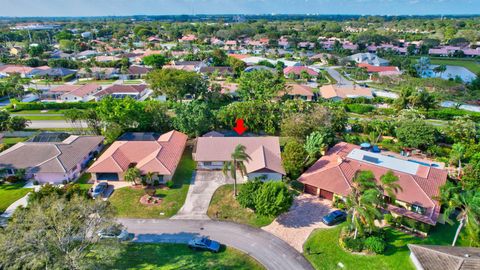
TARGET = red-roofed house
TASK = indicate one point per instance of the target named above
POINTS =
(295, 90)
(188, 38)
(331, 178)
(210, 153)
(381, 70)
(297, 71)
(135, 91)
(147, 153)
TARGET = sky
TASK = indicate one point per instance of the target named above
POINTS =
(20, 8)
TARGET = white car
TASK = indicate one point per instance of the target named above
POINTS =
(114, 233)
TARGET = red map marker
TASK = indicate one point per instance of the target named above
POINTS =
(240, 128)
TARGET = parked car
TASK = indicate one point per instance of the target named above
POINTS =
(204, 243)
(114, 232)
(99, 189)
(334, 217)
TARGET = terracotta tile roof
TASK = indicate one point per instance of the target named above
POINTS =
(83, 90)
(161, 156)
(297, 70)
(298, 90)
(49, 157)
(239, 56)
(375, 69)
(446, 257)
(334, 172)
(264, 151)
(122, 88)
(345, 91)
(16, 69)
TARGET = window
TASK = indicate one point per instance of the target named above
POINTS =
(417, 209)
(207, 163)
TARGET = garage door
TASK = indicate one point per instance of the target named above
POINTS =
(310, 189)
(107, 176)
(326, 194)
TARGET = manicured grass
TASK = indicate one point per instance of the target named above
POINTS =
(132, 82)
(95, 81)
(325, 252)
(46, 112)
(127, 200)
(43, 82)
(13, 140)
(224, 206)
(179, 256)
(83, 181)
(471, 65)
(44, 117)
(9, 193)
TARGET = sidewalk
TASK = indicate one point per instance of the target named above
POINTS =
(20, 202)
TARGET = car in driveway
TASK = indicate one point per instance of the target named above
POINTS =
(99, 190)
(204, 243)
(334, 217)
(114, 232)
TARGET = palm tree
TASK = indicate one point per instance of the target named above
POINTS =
(131, 175)
(149, 178)
(362, 202)
(457, 154)
(388, 184)
(239, 157)
(468, 204)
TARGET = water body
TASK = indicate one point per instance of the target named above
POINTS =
(450, 73)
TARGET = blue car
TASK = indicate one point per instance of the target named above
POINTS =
(204, 243)
(334, 217)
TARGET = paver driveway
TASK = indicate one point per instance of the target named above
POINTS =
(200, 193)
(304, 216)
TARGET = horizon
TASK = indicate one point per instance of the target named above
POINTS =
(126, 8)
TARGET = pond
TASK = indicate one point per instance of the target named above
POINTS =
(451, 72)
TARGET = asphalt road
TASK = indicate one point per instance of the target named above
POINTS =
(338, 77)
(266, 248)
(51, 124)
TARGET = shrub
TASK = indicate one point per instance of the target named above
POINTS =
(156, 182)
(273, 198)
(169, 184)
(64, 182)
(375, 244)
(352, 244)
(389, 219)
(359, 108)
(248, 192)
(338, 203)
(69, 77)
(12, 179)
(36, 183)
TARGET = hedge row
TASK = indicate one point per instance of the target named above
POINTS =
(359, 108)
(21, 106)
(451, 113)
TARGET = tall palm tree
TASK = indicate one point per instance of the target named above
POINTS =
(468, 204)
(239, 157)
(457, 154)
(149, 178)
(363, 201)
(131, 175)
(388, 184)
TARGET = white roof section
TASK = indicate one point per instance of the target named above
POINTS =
(392, 163)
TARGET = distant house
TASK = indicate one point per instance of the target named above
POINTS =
(306, 45)
(149, 152)
(51, 162)
(98, 73)
(339, 92)
(381, 70)
(298, 70)
(188, 38)
(135, 91)
(298, 91)
(367, 58)
(256, 68)
(429, 257)
(211, 153)
(56, 73)
(107, 58)
(135, 72)
(221, 71)
(72, 93)
(23, 71)
(331, 178)
(186, 65)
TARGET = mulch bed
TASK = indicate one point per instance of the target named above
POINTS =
(147, 200)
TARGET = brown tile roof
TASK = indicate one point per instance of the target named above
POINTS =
(138, 70)
(161, 156)
(345, 91)
(122, 88)
(49, 157)
(298, 90)
(264, 151)
(446, 257)
(334, 172)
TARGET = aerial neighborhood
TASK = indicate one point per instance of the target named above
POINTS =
(240, 142)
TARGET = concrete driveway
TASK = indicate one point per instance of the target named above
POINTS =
(267, 249)
(200, 192)
(304, 216)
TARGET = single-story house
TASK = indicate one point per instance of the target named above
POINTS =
(332, 175)
(149, 152)
(186, 65)
(430, 257)
(338, 92)
(221, 71)
(72, 93)
(298, 91)
(135, 91)
(98, 73)
(51, 162)
(137, 71)
(381, 70)
(367, 58)
(53, 72)
(211, 153)
(298, 70)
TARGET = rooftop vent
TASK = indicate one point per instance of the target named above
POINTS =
(371, 159)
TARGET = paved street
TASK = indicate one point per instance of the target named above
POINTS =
(200, 193)
(51, 124)
(338, 77)
(266, 248)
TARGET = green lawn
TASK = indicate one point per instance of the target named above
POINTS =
(9, 193)
(179, 256)
(83, 181)
(44, 117)
(325, 252)
(126, 200)
(95, 81)
(132, 82)
(13, 140)
(43, 82)
(225, 207)
(46, 112)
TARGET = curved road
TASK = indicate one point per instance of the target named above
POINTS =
(266, 248)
